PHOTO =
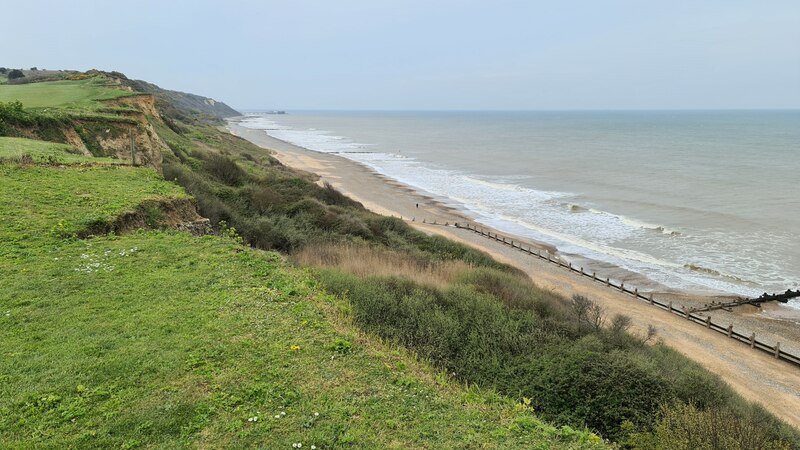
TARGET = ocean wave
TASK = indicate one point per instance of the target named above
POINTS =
(709, 271)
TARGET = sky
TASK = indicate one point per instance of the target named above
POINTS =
(428, 54)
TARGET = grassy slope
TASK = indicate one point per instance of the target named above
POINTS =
(82, 94)
(160, 339)
(13, 149)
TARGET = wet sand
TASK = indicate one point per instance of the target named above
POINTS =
(755, 375)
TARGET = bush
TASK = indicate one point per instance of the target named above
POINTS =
(15, 74)
(224, 169)
(48, 126)
(685, 427)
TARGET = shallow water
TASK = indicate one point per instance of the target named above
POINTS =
(703, 201)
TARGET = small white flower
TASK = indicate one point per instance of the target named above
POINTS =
(283, 413)
(313, 447)
(316, 414)
(277, 416)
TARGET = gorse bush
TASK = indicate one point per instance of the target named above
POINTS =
(224, 169)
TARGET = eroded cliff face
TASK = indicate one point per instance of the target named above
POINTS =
(145, 103)
(136, 142)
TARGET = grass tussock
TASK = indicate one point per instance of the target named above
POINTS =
(364, 261)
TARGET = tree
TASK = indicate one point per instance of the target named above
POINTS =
(34, 69)
(14, 74)
(3, 70)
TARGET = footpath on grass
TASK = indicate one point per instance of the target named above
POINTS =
(158, 338)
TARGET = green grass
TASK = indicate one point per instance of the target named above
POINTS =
(40, 202)
(164, 340)
(42, 152)
(73, 94)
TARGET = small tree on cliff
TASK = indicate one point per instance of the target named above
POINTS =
(14, 74)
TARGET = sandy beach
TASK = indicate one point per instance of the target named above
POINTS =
(755, 375)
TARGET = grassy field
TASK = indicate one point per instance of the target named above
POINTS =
(159, 339)
(42, 152)
(77, 94)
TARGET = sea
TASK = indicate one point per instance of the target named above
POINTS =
(699, 201)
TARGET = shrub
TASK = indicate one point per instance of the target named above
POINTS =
(224, 169)
(685, 427)
(331, 196)
(15, 74)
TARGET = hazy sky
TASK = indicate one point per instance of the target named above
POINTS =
(428, 54)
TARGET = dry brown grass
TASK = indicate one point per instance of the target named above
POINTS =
(364, 261)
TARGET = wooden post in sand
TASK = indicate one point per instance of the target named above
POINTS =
(708, 321)
(753, 340)
(669, 307)
(651, 298)
(777, 350)
(730, 330)
(608, 281)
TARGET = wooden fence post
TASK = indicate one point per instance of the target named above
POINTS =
(669, 307)
(730, 330)
(651, 298)
(753, 340)
(777, 350)
(708, 321)
(635, 292)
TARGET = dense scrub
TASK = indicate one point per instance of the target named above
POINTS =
(576, 365)
(47, 126)
(275, 208)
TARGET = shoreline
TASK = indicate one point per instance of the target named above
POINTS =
(384, 195)
(756, 376)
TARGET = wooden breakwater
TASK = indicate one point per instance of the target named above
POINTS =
(683, 312)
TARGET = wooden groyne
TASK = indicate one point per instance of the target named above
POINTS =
(683, 312)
